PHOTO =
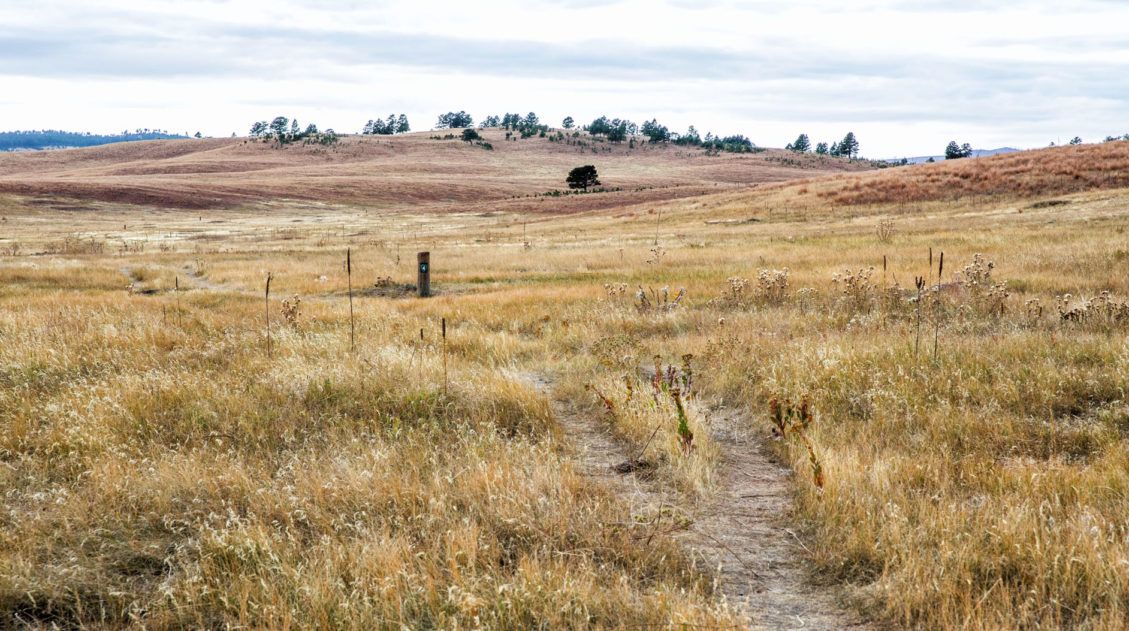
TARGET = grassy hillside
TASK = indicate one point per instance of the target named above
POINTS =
(1046, 172)
(412, 170)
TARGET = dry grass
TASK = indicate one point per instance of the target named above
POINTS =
(1058, 171)
(168, 474)
(177, 477)
(404, 172)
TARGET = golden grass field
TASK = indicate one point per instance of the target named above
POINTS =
(159, 469)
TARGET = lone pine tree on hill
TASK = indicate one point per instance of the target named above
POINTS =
(583, 177)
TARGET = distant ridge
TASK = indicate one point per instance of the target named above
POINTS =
(976, 153)
(56, 139)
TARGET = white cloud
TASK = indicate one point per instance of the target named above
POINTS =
(905, 76)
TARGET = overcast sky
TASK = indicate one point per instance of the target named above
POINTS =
(906, 77)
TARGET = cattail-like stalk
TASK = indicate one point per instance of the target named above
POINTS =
(176, 292)
(266, 301)
(349, 274)
(918, 282)
(937, 307)
(443, 324)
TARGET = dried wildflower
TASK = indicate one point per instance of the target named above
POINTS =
(856, 290)
(772, 285)
(291, 311)
(1102, 310)
(615, 290)
(885, 230)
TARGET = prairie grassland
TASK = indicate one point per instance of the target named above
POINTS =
(159, 468)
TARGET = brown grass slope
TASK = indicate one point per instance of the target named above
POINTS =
(412, 170)
(1039, 173)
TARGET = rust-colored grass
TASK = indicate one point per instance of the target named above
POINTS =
(1054, 171)
(378, 172)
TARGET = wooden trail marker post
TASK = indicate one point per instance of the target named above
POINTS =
(423, 260)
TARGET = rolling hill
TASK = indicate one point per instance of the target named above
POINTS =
(1027, 174)
(421, 171)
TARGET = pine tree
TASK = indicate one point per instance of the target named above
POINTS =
(849, 146)
(955, 152)
(583, 177)
(802, 144)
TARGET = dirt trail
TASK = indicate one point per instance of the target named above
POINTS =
(188, 278)
(742, 531)
(599, 453)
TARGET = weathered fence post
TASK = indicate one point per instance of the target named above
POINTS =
(424, 279)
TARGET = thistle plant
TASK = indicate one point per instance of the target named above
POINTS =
(685, 436)
(687, 376)
(855, 288)
(292, 311)
(788, 418)
(658, 301)
(1104, 309)
(772, 285)
(987, 295)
